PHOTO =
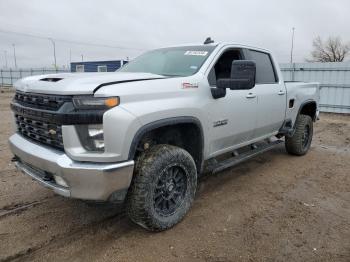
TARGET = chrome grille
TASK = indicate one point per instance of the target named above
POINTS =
(46, 133)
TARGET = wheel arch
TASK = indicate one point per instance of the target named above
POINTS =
(195, 146)
(309, 108)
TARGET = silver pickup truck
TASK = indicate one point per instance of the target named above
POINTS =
(144, 134)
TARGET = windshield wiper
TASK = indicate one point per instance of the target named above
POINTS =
(170, 75)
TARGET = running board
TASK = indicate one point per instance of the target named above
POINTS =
(244, 156)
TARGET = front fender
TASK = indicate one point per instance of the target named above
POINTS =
(119, 127)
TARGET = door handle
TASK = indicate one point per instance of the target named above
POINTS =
(281, 93)
(250, 95)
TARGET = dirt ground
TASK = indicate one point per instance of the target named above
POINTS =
(275, 207)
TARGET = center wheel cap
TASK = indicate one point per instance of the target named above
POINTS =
(171, 187)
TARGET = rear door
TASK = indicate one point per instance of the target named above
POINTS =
(271, 95)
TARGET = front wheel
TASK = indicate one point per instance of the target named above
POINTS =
(163, 187)
(300, 142)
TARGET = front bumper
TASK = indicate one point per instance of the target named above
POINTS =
(86, 180)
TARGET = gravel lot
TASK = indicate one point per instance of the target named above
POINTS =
(273, 208)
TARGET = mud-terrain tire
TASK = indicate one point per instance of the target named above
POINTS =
(300, 142)
(163, 187)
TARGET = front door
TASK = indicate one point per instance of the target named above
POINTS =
(232, 118)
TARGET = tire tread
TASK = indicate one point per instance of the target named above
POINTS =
(136, 205)
(294, 144)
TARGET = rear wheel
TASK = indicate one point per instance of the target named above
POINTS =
(300, 142)
(163, 187)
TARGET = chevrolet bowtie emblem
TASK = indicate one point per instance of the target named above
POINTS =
(52, 132)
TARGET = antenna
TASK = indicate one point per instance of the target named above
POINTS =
(208, 41)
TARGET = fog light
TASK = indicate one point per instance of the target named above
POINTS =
(95, 130)
(96, 135)
(60, 181)
(99, 144)
(91, 137)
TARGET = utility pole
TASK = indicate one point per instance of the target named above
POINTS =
(5, 53)
(292, 49)
(82, 58)
(54, 51)
(14, 54)
(70, 58)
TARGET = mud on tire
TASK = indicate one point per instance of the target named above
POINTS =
(163, 187)
(300, 142)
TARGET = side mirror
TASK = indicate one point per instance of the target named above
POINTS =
(218, 92)
(242, 76)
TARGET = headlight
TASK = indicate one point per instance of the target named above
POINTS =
(90, 102)
(91, 137)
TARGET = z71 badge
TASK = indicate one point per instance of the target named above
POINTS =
(220, 123)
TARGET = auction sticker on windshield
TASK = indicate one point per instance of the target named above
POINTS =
(199, 53)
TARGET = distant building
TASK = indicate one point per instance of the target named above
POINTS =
(97, 66)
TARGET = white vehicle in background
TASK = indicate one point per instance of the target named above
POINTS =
(145, 133)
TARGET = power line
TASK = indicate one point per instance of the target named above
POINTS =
(69, 41)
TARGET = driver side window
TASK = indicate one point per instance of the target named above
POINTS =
(222, 67)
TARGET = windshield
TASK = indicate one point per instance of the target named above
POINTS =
(174, 61)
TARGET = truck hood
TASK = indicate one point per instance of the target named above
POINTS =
(77, 83)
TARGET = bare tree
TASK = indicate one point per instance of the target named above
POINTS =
(332, 50)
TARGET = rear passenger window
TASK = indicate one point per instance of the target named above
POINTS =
(264, 69)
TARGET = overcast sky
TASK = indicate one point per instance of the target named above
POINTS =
(143, 25)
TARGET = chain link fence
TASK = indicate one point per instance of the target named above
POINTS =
(9, 76)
